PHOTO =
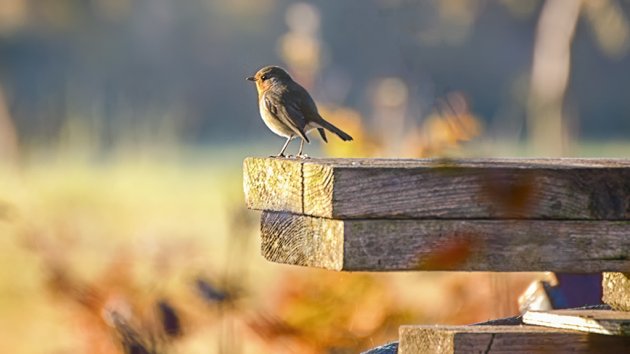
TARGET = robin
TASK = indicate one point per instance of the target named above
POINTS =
(287, 108)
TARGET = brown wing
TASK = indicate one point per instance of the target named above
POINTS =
(309, 111)
(287, 111)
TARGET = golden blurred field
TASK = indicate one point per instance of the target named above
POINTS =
(156, 221)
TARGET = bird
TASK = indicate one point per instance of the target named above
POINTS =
(288, 109)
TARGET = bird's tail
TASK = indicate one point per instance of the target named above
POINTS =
(340, 133)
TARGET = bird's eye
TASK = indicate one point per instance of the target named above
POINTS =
(264, 77)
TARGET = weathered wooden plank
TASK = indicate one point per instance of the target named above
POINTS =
(273, 183)
(616, 289)
(505, 339)
(305, 241)
(607, 322)
(588, 189)
(465, 245)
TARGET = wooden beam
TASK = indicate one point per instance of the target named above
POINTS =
(464, 245)
(585, 189)
(594, 321)
(505, 339)
(273, 183)
(616, 289)
(305, 241)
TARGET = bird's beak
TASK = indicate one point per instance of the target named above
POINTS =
(251, 78)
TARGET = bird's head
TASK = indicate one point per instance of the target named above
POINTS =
(268, 77)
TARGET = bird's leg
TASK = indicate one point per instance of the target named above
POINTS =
(281, 154)
(299, 154)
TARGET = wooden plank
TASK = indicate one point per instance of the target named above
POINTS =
(465, 245)
(578, 189)
(305, 241)
(616, 288)
(505, 339)
(273, 183)
(594, 321)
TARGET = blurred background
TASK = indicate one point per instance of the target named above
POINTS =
(124, 123)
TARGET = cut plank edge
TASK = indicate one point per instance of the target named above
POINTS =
(593, 321)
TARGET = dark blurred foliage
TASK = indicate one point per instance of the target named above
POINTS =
(210, 293)
(171, 324)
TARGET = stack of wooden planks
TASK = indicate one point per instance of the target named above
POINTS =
(501, 215)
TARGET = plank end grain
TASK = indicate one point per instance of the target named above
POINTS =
(616, 289)
(505, 339)
(273, 184)
(305, 241)
(318, 186)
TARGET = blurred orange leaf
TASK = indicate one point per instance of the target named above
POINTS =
(454, 251)
(514, 195)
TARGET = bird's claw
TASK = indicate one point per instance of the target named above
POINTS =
(303, 156)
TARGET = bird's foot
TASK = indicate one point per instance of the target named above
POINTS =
(302, 156)
(277, 156)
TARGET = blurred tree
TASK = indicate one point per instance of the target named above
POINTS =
(8, 135)
(550, 75)
(551, 67)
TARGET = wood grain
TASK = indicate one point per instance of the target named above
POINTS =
(273, 183)
(505, 339)
(616, 290)
(607, 322)
(575, 189)
(320, 246)
(464, 245)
